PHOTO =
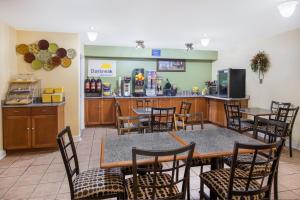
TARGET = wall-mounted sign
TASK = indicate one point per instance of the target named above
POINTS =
(101, 68)
(156, 52)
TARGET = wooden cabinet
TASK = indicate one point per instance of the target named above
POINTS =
(164, 102)
(201, 105)
(107, 111)
(216, 112)
(31, 127)
(92, 112)
(99, 111)
(16, 132)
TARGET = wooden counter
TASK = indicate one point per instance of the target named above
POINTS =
(101, 111)
(32, 126)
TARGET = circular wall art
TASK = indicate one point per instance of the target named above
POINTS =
(29, 57)
(46, 55)
(43, 44)
(22, 49)
(61, 52)
(36, 64)
(66, 62)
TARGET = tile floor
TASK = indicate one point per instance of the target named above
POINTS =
(41, 175)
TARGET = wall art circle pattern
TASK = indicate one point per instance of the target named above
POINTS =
(46, 55)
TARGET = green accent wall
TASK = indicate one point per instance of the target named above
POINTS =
(198, 64)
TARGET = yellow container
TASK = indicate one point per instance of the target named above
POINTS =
(46, 98)
(48, 91)
(58, 90)
(57, 97)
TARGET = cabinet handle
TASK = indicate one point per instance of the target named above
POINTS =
(44, 110)
(28, 130)
(32, 128)
(16, 111)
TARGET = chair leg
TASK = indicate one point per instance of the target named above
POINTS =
(201, 190)
(290, 145)
(276, 185)
(188, 189)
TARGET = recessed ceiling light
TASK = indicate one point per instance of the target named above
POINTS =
(92, 34)
(287, 8)
(140, 44)
(205, 40)
(189, 46)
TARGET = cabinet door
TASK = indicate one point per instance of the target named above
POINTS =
(216, 112)
(92, 112)
(17, 132)
(177, 103)
(108, 111)
(126, 107)
(44, 131)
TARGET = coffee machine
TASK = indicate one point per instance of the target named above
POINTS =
(126, 86)
(138, 82)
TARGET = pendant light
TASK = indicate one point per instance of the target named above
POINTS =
(92, 34)
(286, 9)
(140, 44)
(189, 46)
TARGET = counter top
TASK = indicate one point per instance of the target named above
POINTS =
(33, 105)
(189, 96)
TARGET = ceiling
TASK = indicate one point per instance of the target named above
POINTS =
(160, 23)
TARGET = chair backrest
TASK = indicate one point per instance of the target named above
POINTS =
(118, 109)
(289, 116)
(233, 116)
(69, 156)
(128, 124)
(185, 107)
(275, 105)
(162, 119)
(185, 153)
(266, 157)
(270, 129)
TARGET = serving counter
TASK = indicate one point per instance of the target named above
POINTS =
(101, 110)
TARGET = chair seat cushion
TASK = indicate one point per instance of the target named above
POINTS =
(98, 182)
(129, 170)
(218, 180)
(258, 170)
(146, 193)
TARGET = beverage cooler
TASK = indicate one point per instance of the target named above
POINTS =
(232, 83)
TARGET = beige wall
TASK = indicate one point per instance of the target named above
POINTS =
(8, 65)
(59, 77)
(281, 82)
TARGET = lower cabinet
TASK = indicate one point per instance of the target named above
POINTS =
(34, 127)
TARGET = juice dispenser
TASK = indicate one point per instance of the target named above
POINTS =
(138, 82)
(151, 83)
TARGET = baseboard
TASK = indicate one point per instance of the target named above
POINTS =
(2, 154)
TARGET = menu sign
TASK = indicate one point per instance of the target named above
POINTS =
(101, 68)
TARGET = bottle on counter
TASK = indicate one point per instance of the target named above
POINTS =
(87, 85)
(99, 86)
(93, 85)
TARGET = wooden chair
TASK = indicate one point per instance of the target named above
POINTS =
(162, 119)
(188, 120)
(160, 183)
(234, 119)
(91, 184)
(234, 183)
(272, 132)
(291, 117)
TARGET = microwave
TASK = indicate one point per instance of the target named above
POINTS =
(232, 83)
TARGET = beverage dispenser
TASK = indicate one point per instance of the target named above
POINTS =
(126, 86)
(138, 82)
(151, 83)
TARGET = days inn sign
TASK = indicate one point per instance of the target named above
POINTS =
(101, 68)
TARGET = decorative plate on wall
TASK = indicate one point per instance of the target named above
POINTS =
(47, 67)
(55, 61)
(44, 56)
(22, 49)
(43, 44)
(66, 62)
(52, 48)
(36, 64)
(61, 52)
(34, 48)
(71, 53)
(29, 57)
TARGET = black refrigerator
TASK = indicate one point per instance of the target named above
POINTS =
(232, 83)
